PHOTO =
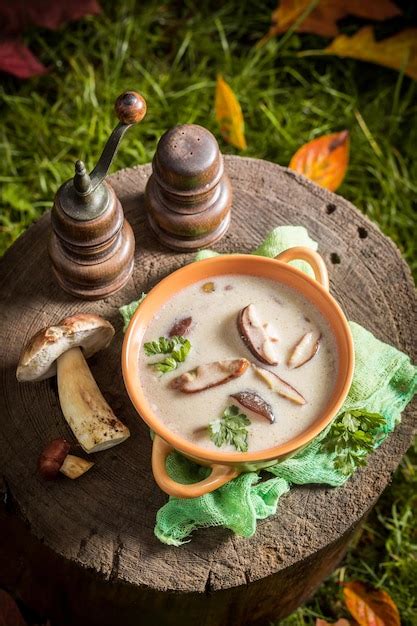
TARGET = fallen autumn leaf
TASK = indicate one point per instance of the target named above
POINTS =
(370, 607)
(19, 61)
(322, 19)
(229, 115)
(15, 17)
(324, 160)
(15, 58)
(398, 52)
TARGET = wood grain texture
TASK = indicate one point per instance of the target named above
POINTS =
(105, 521)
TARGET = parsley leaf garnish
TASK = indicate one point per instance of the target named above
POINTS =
(230, 429)
(128, 310)
(177, 348)
(352, 437)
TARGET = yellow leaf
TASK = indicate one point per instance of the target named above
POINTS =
(322, 19)
(397, 52)
(324, 160)
(229, 115)
(370, 607)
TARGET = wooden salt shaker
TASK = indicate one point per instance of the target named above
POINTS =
(189, 195)
(92, 245)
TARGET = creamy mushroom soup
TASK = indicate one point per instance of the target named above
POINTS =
(260, 370)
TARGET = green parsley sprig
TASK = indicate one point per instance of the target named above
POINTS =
(231, 429)
(128, 310)
(176, 347)
(352, 437)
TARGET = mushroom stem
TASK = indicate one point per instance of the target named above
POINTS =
(91, 419)
(74, 466)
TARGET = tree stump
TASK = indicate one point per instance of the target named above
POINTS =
(84, 552)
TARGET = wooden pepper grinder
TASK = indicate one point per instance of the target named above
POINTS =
(92, 245)
(189, 195)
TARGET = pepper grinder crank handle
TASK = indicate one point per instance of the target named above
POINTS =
(130, 108)
(92, 244)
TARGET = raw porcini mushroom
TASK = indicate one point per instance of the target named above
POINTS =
(252, 401)
(259, 338)
(55, 459)
(304, 350)
(279, 385)
(63, 349)
(209, 375)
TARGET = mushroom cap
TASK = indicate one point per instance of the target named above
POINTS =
(52, 458)
(84, 330)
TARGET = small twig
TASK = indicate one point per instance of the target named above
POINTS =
(312, 53)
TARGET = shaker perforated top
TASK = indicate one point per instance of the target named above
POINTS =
(188, 159)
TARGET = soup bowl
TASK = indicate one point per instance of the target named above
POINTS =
(227, 465)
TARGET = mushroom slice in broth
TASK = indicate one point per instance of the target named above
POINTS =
(259, 338)
(209, 375)
(304, 350)
(181, 327)
(279, 385)
(252, 401)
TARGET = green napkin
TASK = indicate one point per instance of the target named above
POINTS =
(384, 382)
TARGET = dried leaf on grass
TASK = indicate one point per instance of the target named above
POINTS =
(369, 606)
(324, 160)
(323, 18)
(18, 60)
(15, 17)
(229, 115)
(398, 52)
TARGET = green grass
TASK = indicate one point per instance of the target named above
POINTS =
(384, 554)
(171, 52)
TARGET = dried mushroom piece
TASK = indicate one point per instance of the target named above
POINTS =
(304, 350)
(279, 385)
(209, 375)
(252, 401)
(63, 350)
(259, 338)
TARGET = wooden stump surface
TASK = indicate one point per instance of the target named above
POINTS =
(105, 520)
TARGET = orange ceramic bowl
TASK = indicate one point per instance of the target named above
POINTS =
(228, 465)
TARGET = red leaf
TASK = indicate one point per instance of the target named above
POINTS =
(9, 611)
(19, 61)
(18, 15)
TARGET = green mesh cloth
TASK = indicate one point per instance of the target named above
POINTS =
(384, 382)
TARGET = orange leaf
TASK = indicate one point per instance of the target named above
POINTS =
(322, 20)
(324, 160)
(370, 607)
(397, 52)
(340, 622)
(229, 115)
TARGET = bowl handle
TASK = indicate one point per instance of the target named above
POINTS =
(220, 474)
(312, 258)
